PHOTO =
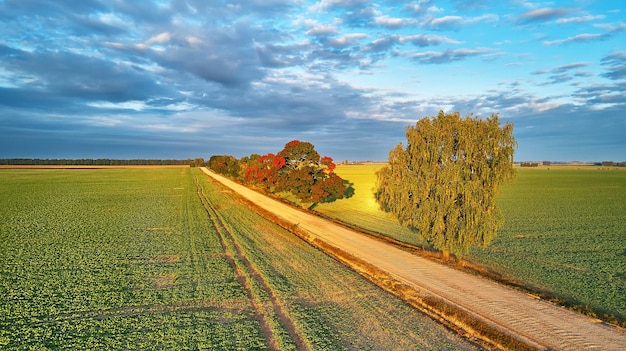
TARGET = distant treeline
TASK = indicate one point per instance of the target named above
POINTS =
(95, 162)
(548, 163)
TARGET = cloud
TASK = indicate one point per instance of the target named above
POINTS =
(362, 18)
(423, 40)
(586, 37)
(456, 22)
(580, 38)
(446, 56)
(420, 7)
(570, 66)
(615, 63)
(542, 15)
(332, 4)
(580, 19)
(79, 76)
(394, 22)
(558, 79)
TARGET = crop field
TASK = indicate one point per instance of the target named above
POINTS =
(564, 231)
(163, 258)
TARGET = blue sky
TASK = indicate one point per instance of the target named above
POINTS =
(179, 79)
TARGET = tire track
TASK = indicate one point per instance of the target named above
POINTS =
(246, 272)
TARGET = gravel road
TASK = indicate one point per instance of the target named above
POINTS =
(539, 323)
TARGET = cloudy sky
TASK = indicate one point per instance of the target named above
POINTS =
(194, 78)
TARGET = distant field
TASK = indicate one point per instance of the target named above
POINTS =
(565, 230)
(162, 258)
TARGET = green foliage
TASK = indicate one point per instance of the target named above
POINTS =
(444, 183)
(197, 162)
(224, 164)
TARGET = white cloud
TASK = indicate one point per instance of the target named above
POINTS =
(394, 22)
(161, 38)
(577, 38)
(580, 19)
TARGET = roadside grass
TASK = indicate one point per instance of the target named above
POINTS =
(162, 258)
(563, 235)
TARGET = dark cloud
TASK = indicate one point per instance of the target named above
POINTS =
(72, 75)
(558, 79)
(542, 14)
(615, 64)
(227, 57)
(570, 66)
(278, 56)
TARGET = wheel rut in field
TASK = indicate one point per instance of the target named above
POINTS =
(248, 274)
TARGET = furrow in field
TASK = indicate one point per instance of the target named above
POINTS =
(246, 271)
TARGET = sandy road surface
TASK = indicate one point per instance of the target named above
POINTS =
(539, 323)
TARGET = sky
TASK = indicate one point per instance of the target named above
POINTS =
(193, 78)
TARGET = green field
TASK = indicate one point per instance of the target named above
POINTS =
(163, 258)
(564, 231)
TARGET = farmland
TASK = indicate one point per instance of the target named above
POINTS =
(163, 258)
(563, 233)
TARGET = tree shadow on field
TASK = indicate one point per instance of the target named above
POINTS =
(348, 193)
(349, 189)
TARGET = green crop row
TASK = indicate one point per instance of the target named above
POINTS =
(564, 231)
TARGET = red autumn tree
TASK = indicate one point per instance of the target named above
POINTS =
(307, 176)
(263, 170)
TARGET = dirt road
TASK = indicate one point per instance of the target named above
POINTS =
(536, 322)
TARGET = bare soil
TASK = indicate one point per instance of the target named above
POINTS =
(535, 322)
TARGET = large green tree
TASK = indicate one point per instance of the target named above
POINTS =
(443, 184)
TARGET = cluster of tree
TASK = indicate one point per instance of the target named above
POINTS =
(611, 164)
(92, 162)
(443, 183)
(529, 164)
(297, 169)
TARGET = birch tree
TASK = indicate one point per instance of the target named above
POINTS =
(443, 184)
